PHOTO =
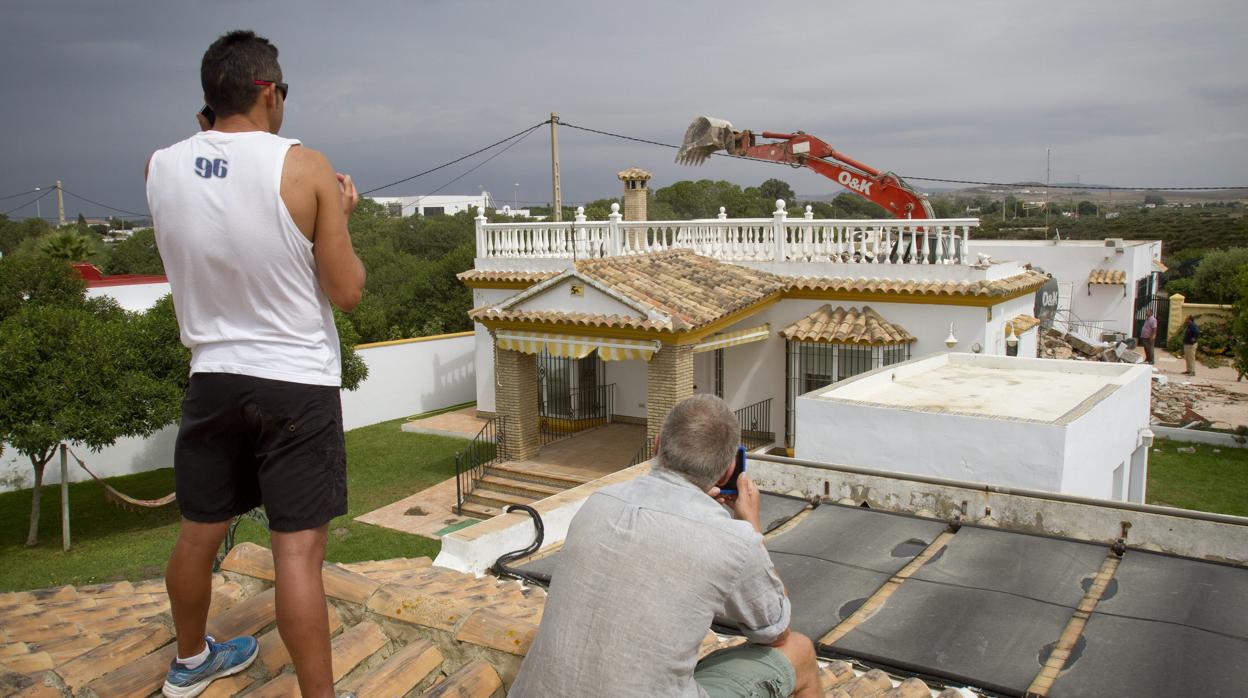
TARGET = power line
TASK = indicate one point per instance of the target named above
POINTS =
(111, 208)
(525, 132)
(20, 193)
(37, 198)
(480, 164)
(922, 179)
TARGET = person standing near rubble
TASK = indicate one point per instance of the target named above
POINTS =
(1191, 333)
(649, 564)
(253, 232)
(1148, 334)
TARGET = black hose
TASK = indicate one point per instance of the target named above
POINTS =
(500, 568)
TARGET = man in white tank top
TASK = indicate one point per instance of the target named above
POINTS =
(252, 229)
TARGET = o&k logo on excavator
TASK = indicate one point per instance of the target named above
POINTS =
(858, 184)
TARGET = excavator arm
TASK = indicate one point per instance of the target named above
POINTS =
(708, 135)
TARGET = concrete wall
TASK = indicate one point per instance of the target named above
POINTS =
(405, 378)
(412, 376)
(1105, 437)
(135, 297)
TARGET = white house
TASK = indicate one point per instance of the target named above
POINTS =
(585, 321)
(134, 292)
(1073, 427)
(434, 204)
(1104, 285)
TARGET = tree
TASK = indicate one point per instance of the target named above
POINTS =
(774, 189)
(1216, 277)
(1086, 208)
(14, 233)
(135, 255)
(72, 247)
(1154, 199)
(37, 280)
(71, 373)
(1239, 326)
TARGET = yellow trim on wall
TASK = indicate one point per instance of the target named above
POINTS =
(917, 298)
(501, 284)
(414, 340)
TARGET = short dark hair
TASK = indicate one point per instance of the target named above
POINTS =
(230, 68)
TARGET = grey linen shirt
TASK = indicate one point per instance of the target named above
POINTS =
(647, 565)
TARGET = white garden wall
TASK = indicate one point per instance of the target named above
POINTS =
(406, 377)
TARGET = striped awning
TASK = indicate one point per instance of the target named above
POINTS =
(574, 347)
(732, 339)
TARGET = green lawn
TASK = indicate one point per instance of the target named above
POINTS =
(111, 544)
(1203, 480)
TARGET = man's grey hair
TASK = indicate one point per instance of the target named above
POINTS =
(698, 439)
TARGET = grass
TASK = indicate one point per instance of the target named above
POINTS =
(112, 544)
(1204, 480)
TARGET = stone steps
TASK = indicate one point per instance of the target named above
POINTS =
(497, 499)
(501, 483)
(515, 472)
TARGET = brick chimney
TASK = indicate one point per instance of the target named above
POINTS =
(636, 190)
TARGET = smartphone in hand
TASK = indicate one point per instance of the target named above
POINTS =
(209, 114)
(730, 487)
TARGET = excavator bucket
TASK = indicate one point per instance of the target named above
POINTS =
(703, 137)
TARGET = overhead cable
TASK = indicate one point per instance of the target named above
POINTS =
(525, 132)
(111, 208)
(21, 193)
(481, 164)
(926, 179)
(37, 198)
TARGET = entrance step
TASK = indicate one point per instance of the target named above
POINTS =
(516, 472)
(528, 488)
(499, 500)
(480, 511)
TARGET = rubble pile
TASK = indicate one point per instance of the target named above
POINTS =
(1059, 345)
(1173, 402)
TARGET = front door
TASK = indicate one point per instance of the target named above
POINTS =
(704, 372)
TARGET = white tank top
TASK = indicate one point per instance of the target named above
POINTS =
(243, 277)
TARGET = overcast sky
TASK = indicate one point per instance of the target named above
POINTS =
(1127, 92)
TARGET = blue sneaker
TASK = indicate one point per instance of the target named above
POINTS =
(224, 659)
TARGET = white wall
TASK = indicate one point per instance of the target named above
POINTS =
(629, 378)
(484, 346)
(411, 377)
(405, 378)
(133, 297)
(1107, 436)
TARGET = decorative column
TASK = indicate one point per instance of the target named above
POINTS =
(516, 402)
(669, 379)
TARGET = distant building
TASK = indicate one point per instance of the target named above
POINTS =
(434, 204)
(134, 292)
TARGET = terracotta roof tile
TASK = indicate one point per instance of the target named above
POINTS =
(1022, 323)
(1108, 277)
(483, 276)
(1025, 281)
(634, 173)
(847, 326)
(685, 291)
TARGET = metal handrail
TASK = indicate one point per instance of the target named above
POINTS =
(643, 453)
(755, 421)
(472, 463)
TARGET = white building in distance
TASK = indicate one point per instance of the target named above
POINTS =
(434, 204)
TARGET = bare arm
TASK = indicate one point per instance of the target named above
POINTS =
(320, 202)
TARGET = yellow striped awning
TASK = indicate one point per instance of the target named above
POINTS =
(732, 339)
(573, 347)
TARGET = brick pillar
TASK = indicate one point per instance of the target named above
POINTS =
(517, 401)
(669, 379)
(1176, 318)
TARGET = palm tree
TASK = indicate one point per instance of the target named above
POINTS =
(71, 247)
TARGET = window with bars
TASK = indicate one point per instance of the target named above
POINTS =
(815, 365)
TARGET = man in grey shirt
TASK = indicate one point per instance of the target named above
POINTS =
(646, 567)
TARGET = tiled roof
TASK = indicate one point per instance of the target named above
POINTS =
(634, 173)
(1023, 282)
(1022, 323)
(1107, 276)
(847, 326)
(681, 291)
(484, 276)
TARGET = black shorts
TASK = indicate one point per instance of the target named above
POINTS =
(247, 441)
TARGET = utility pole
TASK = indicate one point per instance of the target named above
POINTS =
(1047, 160)
(60, 204)
(557, 195)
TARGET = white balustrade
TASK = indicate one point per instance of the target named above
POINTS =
(805, 239)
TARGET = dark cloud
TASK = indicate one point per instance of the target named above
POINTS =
(1143, 93)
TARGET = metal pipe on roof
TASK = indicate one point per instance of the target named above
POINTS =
(1015, 491)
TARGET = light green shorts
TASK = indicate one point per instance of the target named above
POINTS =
(746, 671)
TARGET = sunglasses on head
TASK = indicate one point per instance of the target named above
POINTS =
(281, 86)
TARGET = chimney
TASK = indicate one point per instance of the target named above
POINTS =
(636, 190)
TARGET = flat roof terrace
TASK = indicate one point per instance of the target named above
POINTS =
(1040, 390)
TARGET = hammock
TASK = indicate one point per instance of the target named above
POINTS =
(122, 499)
